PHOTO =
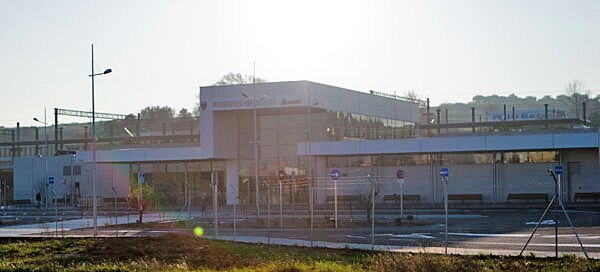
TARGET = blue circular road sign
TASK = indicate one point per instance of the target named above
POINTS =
(400, 174)
(335, 174)
(444, 172)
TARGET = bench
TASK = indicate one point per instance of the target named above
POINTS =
(465, 197)
(116, 199)
(110, 202)
(396, 198)
(345, 199)
(21, 202)
(595, 196)
(528, 196)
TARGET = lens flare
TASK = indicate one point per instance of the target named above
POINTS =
(198, 231)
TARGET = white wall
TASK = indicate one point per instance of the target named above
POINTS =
(420, 180)
(582, 173)
(525, 178)
(232, 181)
(471, 179)
(30, 177)
(545, 141)
(305, 93)
(225, 135)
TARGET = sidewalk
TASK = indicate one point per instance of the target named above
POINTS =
(87, 222)
(406, 249)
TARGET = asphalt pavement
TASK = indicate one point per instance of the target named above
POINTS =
(469, 231)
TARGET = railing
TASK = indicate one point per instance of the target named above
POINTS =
(28, 148)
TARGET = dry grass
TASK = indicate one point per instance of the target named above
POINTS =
(183, 253)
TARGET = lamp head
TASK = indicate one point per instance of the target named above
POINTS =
(35, 119)
(245, 94)
(107, 71)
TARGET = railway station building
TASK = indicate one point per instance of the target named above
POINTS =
(302, 130)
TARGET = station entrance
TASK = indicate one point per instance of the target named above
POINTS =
(174, 185)
(6, 187)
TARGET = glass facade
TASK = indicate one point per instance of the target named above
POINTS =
(280, 131)
(443, 159)
(164, 183)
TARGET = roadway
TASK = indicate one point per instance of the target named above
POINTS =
(469, 231)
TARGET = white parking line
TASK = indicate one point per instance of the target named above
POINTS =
(530, 244)
(411, 235)
(544, 222)
(513, 235)
(518, 235)
(582, 236)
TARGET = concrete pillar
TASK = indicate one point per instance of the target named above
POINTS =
(18, 148)
(232, 181)
(546, 114)
(37, 138)
(85, 136)
(138, 124)
(427, 118)
(438, 120)
(55, 129)
(60, 132)
(473, 117)
(446, 115)
(322, 180)
(433, 176)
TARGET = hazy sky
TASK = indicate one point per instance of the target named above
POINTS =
(161, 51)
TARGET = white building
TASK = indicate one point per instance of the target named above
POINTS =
(368, 137)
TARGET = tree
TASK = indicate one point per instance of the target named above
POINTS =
(184, 114)
(234, 79)
(593, 106)
(575, 95)
(157, 113)
(412, 96)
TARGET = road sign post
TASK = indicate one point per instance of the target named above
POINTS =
(140, 182)
(400, 175)
(280, 205)
(293, 190)
(558, 170)
(214, 181)
(50, 183)
(335, 174)
(371, 181)
(444, 174)
(282, 177)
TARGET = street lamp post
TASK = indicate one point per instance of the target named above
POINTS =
(46, 157)
(256, 142)
(94, 200)
(310, 180)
